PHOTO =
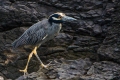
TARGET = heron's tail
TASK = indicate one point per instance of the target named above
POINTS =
(19, 42)
(15, 44)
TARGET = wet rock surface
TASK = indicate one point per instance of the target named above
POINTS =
(95, 35)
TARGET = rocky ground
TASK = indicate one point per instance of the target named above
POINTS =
(88, 49)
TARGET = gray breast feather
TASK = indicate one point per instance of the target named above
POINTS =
(34, 35)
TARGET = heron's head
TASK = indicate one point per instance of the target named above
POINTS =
(60, 18)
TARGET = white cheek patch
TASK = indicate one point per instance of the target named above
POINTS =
(54, 18)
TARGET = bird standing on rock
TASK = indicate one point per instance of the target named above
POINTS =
(41, 32)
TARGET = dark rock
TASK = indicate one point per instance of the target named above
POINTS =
(85, 41)
(83, 31)
(78, 69)
(83, 15)
(63, 39)
(108, 52)
(12, 1)
(97, 29)
(111, 44)
(65, 70)
(103, 70)
(17, 15)
(91, 12)
(82, 49)
(72, 46)
(52, 50)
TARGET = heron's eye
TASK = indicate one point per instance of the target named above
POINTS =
(60, 17)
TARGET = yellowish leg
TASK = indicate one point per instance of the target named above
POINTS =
(43, 66)
(26, 67)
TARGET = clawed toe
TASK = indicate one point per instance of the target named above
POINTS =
(45, 66)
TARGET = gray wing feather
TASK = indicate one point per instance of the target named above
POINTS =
(37, 37)
(32, 36)
(20, 41)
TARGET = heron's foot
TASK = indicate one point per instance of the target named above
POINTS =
(25, 72)
(45, 66)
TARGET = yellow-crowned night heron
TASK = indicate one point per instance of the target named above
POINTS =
(39, 33)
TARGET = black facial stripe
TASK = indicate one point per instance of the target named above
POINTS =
(55, 15)
(55, 21)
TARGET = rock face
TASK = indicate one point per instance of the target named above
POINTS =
(103, 71)
(62, 69)
(95, 35)
(77, 70)
(111, 44)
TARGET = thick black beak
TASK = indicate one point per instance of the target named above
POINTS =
(69, 19)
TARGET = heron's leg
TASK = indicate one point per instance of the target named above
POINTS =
(43, 66)
(26, 67)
